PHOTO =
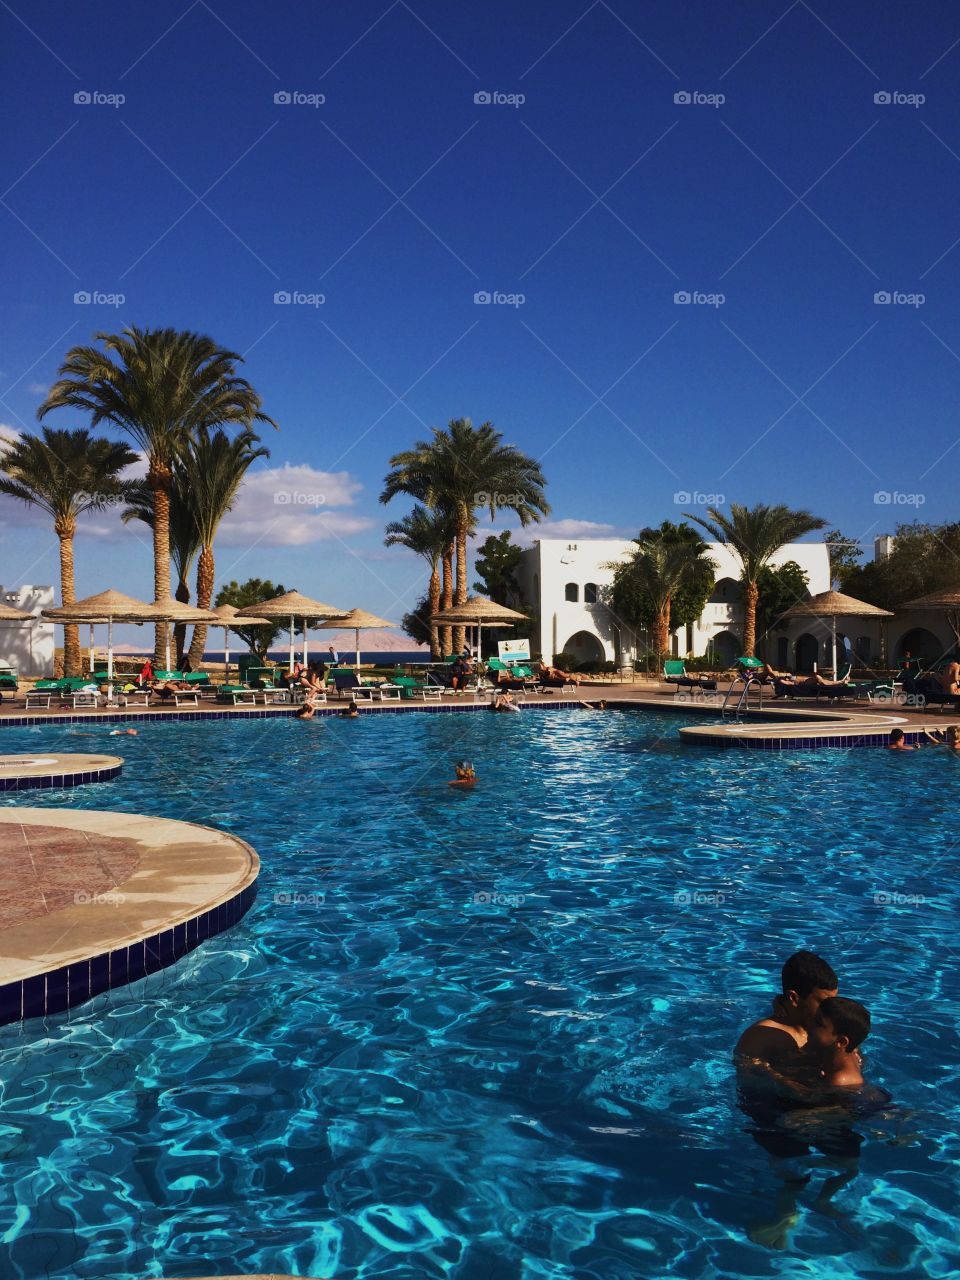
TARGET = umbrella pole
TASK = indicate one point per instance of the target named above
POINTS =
(92, 663)
(356, 636)
(168, 647)
(833, 645)
(226, 656)
(291, 644)
(110, 657)
(305, 663)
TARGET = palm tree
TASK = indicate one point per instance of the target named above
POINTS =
(65, 473)
(671, 565)
(212, 471)
(755, 535)
(184, 539)
(430, 535)
(465, 469)
(164, 387)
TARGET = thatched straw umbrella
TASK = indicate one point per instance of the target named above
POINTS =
(293, 606)
(476, 611)
(106, 606)
(358, 620)
(834, 605)
(226, 614)
(171, 610)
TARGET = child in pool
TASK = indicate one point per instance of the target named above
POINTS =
(465, 771)
(839, 1028)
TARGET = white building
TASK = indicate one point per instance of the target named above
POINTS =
(28, 647)
(568, 583)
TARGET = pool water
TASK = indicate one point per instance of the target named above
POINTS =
(486, 1034)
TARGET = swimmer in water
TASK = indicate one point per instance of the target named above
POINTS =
(504, 702)
(306, 712)
(950, 738)
(898, 741)
(839, 1028)
(115, 733)
(465, 771)
(351, 711)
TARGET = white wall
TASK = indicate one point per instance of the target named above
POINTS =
(548, 566)
(28, 647)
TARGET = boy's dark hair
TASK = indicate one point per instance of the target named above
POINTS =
(848, 1018)
(805, 972)
(896, 735)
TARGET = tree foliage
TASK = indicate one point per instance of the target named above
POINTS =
(247, 595)
(925, 558)
(633, 596)
(416, 623)
(496, 564)
(844, 555)
(778, 589)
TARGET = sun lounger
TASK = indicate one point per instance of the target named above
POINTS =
(675, 672)
(389, 692)
(135, 698)
(37, 698)
(84, 698)
(236, 693)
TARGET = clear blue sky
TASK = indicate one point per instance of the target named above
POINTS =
(599, 197)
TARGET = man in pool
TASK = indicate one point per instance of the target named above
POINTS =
(774, 1044)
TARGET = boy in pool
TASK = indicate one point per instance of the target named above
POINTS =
(898, 741)
(773, 1044)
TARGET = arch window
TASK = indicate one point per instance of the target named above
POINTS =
(590, 593)
(571, 592)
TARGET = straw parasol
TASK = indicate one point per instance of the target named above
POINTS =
(947, 602)
(477, 610)
(172, 610)
(226, 614)
(834, 605)
(106, 606)
(292, 605)
(359, 620)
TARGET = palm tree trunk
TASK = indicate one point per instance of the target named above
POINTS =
(446, 598)
(182, 594)
(159, 479)
(433, 595)
(459, 633)
(663, 629)
(751, 594)
(68, 595)
(205, 581)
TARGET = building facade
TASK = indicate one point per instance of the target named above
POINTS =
(28, 647)
(568, 583)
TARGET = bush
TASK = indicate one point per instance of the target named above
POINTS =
(564, 662)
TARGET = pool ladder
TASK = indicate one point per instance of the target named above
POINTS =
(747, 681)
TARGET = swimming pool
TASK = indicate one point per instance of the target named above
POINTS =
(486, 1034)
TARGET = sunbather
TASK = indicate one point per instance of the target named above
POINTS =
(812, 681)
(554, 675)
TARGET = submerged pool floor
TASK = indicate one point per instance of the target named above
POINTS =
(486, 1033)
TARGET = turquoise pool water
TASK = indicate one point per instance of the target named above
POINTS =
(485, 1035)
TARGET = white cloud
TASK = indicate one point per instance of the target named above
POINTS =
(526, 537)
(8, 435)
(37, 388)
(293, 506)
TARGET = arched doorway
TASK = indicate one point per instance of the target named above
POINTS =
(806, 652)
(919, 643)
(584, 647)
(726, 648)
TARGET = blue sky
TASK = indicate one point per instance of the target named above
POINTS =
(783, 189)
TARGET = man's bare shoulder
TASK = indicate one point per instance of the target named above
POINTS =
(768, 1041)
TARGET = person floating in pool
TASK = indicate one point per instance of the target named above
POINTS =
(466, 775)
(504, 702)
(898, 741)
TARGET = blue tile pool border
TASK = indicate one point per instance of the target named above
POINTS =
(51, 780)
(64, 988)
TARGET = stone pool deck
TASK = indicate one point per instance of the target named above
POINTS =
(91, 901)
